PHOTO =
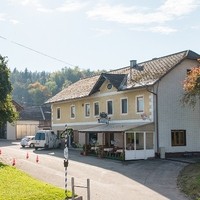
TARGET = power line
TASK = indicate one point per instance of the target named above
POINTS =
(41, 53)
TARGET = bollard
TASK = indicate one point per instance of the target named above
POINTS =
(13, 162)
(88, 189)
(73, 192)
(37, 159)
(27, 156)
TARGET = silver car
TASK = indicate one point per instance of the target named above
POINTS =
(28, 141)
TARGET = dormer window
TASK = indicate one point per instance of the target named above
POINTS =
(109, 86)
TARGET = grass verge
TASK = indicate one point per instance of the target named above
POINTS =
(15, 184)
(189, 181)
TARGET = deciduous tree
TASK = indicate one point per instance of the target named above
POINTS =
(7, 109)
(191, 87)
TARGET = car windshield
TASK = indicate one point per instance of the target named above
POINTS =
(40, 136)
(28, 138)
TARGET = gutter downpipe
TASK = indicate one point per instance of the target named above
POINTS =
(156, 115)
(157, 134)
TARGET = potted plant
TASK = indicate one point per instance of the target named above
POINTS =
(85, 150)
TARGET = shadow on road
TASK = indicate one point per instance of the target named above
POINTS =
(156, 174)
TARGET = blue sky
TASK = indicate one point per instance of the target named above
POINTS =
(95, 34)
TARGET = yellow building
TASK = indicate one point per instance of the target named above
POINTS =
(126, 113)
(103, 111)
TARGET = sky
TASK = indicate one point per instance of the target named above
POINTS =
(48, 35)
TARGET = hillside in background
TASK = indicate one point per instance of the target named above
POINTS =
(34, 88)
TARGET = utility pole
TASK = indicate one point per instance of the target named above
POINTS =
(66, 133)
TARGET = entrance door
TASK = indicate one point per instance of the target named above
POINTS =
(139, 145)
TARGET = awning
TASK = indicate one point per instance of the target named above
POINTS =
(145, 127)
(119, 127)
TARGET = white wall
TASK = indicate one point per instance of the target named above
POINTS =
(11, 131)
(24, 128)
(171, 113)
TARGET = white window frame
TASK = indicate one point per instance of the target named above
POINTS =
(58, 108)
(71, 107)
(121, 106)
(107, 107)
(96, 102)
(136, 100)
(85, 111)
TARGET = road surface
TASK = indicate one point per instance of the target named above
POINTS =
(109, 180)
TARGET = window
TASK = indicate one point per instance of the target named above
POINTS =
(39, 136)
(109, 108)
(96, 108)
(72, 111)
(140, 104)
(87, 110)
(178, 137)
(58, 113)
(124, 106)
(109, 86)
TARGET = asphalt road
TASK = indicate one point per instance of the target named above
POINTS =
(109, 180)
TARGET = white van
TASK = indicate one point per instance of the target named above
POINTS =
(46, 139)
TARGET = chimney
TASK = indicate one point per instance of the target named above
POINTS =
(133, 63)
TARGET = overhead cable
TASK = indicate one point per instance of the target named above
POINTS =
(43, 54)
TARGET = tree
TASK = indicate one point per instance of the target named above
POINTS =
(191, 87)
(28, 87)
(38, 92)
(7, 109)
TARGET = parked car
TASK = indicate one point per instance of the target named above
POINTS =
(28, 141)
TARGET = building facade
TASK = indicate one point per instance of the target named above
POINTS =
(134, 111)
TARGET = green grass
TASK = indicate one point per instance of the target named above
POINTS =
(189, 181)
(15, 184)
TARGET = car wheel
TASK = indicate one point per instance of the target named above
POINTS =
(31, 145)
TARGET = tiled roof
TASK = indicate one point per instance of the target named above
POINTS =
(78, 89)
(35, 113)
(153, 70)
(17, 106)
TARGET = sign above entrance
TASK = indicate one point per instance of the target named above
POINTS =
(103, 118)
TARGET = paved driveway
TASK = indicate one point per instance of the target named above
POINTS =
(109, 180)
